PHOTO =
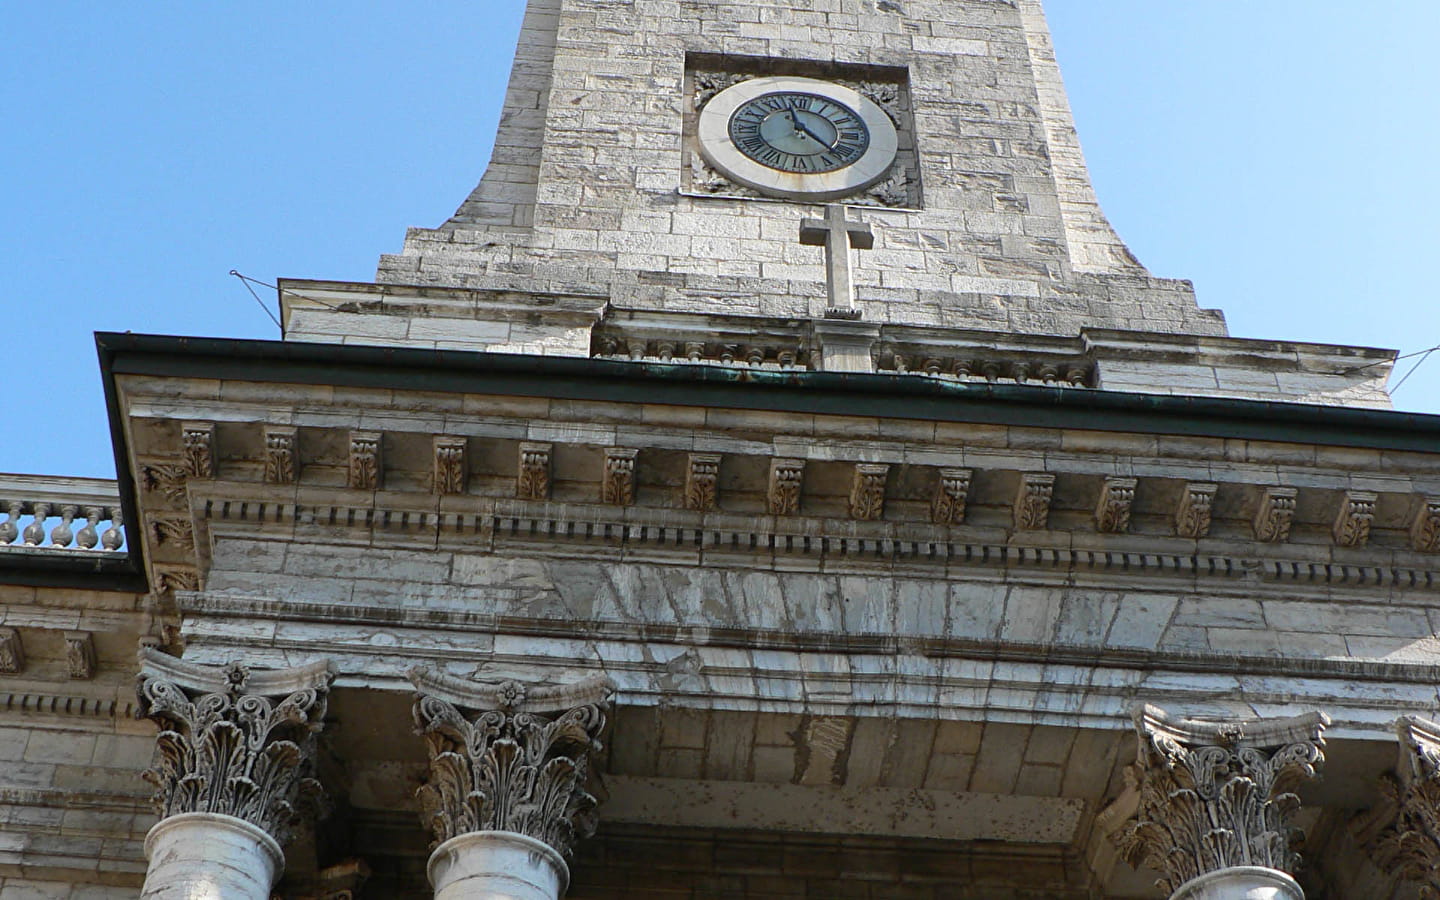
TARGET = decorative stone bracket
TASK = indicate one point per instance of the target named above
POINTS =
(234, 742)
(1218, 795)
(517, 761)
(1402, 834)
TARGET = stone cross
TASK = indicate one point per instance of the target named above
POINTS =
(838, 234)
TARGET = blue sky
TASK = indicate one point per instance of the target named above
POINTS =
(1277, 152)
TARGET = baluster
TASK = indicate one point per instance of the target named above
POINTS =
(87, 537)
(61, 535)
(9, 529)
(35, 532)
(113, 536)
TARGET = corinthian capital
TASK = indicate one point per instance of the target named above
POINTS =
(1402, 834)
(1217, 795)
(510, 757)
(232, 741)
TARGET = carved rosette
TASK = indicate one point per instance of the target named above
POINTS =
(1425, 530)
(365, 465)
(449, 472)
(1402, 835)
(1192, 516)
(867, 491)
(280, 456)
(1218, 795)
(1352, 522)
(233, 741)
(510, 757)
(532, 482)
(1112, 512)
(952, 494)
(1276, 513)
(617, 483)
(786, 476)
(1032, 503)
(702, 482)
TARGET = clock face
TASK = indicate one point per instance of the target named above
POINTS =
(797, 138)
(791, 131)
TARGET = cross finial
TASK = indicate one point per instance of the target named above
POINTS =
(838, 234)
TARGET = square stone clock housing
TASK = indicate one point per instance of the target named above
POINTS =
(708, 75)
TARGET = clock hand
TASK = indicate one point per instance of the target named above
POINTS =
(815, 137)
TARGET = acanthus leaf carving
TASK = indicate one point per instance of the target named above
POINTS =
(702, 482)
(234, 742)
(1032, 502)
(1402, 833)
(1215, 795)
(198, 448)
(617, 484)
(1112, 512)
(1275, 515)
(281, 464)
(532, 482)
(1193, 515)
(1425, 530)
(365, 463)
(786, 478)
(177, 531)
(952, 493)
(509, 763)
(12, 651)
(450, 468)
(867, 491)
(1352, 522)
(167, 480)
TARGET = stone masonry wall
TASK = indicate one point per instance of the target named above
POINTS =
(585, 189)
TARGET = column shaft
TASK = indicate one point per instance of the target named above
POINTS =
(497, 865)
(209, 856)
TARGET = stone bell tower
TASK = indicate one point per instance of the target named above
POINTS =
(776, 480)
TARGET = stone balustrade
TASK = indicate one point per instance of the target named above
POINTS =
(53, 513)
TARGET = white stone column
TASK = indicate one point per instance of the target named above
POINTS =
(200, 856)
(234, 763)
(1214, 803)
(497, 865)
(506, 798)
(1240, 883)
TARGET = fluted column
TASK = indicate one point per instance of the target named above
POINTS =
(1215, 803)
(233, 772)
(506, 798)
(1402, 834)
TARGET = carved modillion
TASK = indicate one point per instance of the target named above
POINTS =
(1275, 515)
(702, 482)
(80, 655)
(952, 494)
(173, 530)
(167, 480)
(1112, 511)
(783, 496)
(449, 471)
(1219, 794)
(1425, 530)
(1032, 502)
(12, 652)
(197, 441)
(1192, 516)
(281, 463)
(234, 741)
(617, 482)
(867, 491)
(532, 481)
(366, 467)
(1402, 833)
(1352, 521)
(510, 756)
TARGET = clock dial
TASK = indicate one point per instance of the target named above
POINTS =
(805, 133)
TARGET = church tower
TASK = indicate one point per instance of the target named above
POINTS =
(776, 480)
